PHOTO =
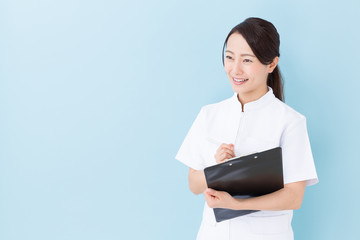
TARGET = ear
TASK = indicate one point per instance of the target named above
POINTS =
(273, 64)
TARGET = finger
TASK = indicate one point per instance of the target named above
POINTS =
(220, 160)
(229, 146)
(208, 197)
(212, 192)
(224, 151)
(209, 200)
(230, 152)
(225, 156)
(225, 146)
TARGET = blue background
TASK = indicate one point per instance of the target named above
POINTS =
(96, 98)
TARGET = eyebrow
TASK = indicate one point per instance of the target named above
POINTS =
(242, 55)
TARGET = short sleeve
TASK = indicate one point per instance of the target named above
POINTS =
(298, 162)
(190, 152)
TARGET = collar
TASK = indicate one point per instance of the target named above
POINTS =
(261, 102)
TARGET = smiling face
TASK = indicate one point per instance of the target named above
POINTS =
(247, 75)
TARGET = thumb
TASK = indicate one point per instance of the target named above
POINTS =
(212, 192)
(232, 146)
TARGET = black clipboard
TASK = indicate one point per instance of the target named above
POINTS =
(245, 177)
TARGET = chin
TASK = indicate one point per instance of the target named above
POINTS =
(239, 90)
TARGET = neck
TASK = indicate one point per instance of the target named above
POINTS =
(246, 98)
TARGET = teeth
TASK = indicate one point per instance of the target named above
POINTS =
(240, 80)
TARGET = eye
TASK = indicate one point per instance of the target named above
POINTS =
(228, 57)
(247, 60)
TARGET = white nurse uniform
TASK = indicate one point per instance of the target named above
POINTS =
(265, 123)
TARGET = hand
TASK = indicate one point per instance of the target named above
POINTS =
(219, 199)
(224, 152)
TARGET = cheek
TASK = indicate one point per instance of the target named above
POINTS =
(258, 71)
(227, 70)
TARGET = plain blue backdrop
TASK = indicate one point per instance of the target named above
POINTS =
(96, 98)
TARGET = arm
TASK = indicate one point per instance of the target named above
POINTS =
(289, 197)
(197, 181)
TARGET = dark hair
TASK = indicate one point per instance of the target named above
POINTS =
(264, 41)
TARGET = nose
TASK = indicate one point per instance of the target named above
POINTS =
(237, 68)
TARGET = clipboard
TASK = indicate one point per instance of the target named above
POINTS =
(245, 177)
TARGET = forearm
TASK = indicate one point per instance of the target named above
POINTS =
(197, 181)
(287, 198)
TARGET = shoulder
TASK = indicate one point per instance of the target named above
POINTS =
(287, 110)
(289, 116)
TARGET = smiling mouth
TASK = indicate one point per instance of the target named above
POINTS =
(239, 81)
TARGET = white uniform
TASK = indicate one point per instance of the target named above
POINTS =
(265, 123)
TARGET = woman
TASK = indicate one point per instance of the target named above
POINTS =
(254, 119)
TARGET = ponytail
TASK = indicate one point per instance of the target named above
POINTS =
(276, 83)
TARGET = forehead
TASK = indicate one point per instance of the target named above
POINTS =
(238, 45)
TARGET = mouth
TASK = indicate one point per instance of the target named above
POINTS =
(239, 81)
